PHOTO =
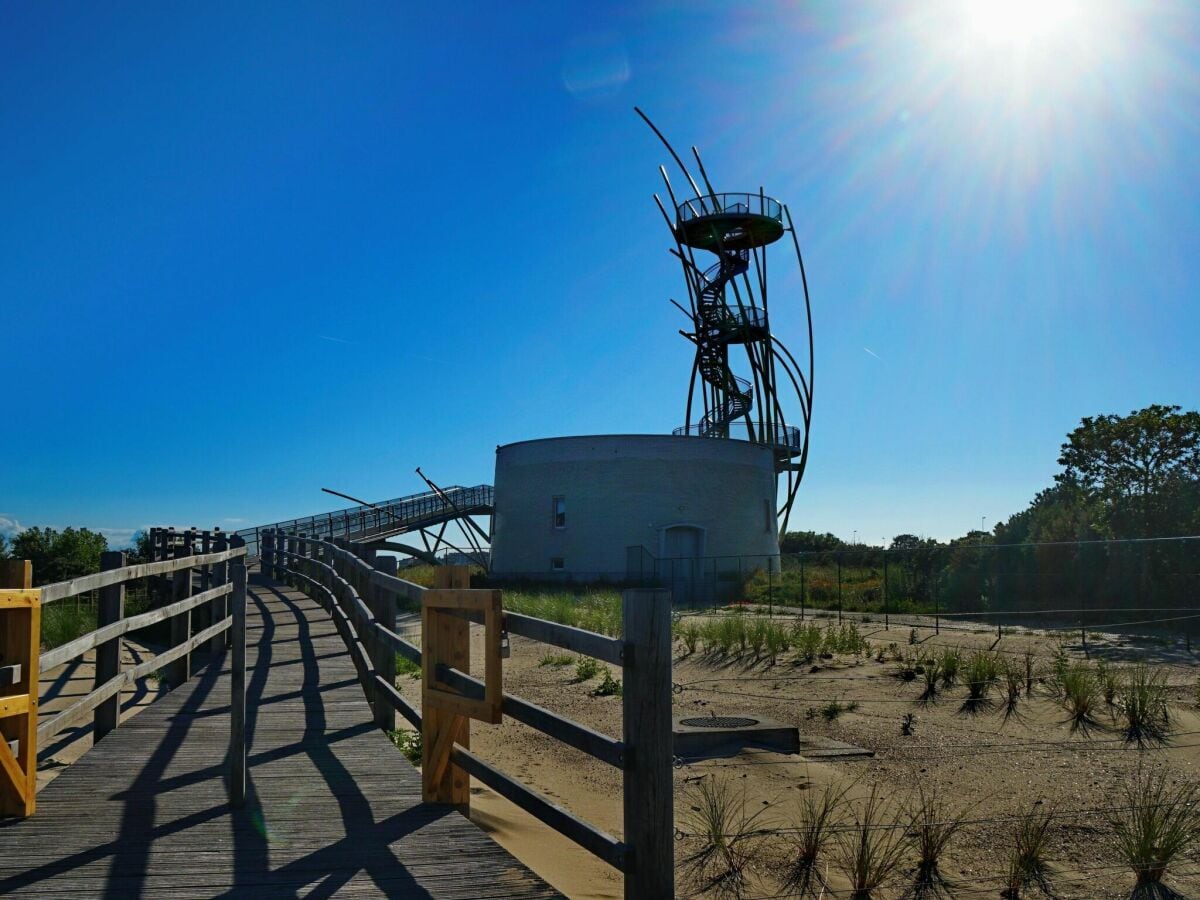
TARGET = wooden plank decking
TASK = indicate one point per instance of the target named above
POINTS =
(333, 808)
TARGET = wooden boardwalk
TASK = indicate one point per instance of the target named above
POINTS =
(333, 808)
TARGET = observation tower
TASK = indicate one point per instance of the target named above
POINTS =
(729, 315)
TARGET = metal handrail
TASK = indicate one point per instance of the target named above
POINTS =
(773, 434)
(730, 204)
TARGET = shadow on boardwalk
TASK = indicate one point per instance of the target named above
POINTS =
(333, 808)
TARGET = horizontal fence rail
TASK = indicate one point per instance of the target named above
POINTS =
(362, 598)
(220, 572)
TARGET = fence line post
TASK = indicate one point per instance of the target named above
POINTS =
(383, 605)
(839, 571)
(442, 728)
(177, 672)
(801, 588)
(886, 620)
(237, 681)
(646, 715)
(110, 609)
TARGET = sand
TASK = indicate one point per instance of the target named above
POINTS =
(989, 766)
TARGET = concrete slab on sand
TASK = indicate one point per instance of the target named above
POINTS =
(704, 736)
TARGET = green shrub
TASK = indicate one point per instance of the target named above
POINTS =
(778, 640)
(586, 668)
(807, 639)
(555, 660)
(608, 686)
(980, 672)
(409, 743)
(835, 708)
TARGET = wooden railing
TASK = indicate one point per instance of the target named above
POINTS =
(222, 599)
(362, 594)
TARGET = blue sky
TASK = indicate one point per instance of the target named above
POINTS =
(249, 250)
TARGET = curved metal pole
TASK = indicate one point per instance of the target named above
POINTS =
(671, 150)
(807, 305)
(703, 174)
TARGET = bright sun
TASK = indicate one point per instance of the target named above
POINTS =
(1018, 21)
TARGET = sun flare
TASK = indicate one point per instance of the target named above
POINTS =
(1018, 21)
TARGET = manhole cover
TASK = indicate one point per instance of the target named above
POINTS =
(718, 722)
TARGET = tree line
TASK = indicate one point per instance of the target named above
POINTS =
(66, 554)
(1110, 532)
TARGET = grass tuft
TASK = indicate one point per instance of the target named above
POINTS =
(932, 822)
(555, 660)
(405, 666)
(949, 663)
(811, 833)
(724, 839)
(868, 855)
(1027, 863)
(1081, 694)
(1158, 823)
(1143, 704)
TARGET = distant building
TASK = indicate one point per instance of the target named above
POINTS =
(691, 512)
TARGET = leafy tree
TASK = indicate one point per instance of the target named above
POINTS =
(809, 542)
(3, 547)
(59, 555)
(140, 550)
(1143, 468)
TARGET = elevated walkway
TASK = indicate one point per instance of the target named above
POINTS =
(387, 518)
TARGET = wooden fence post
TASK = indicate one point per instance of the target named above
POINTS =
(237, 680)
(177, 672)
(383, 605)
(220, 606)
(442, 781)
(289, 562)
(110, 609)
(20, 638)
(646, 712)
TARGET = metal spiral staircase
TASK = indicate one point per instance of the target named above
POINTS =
(717, 327)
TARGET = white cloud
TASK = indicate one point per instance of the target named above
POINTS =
(119, 538)
(10, 526)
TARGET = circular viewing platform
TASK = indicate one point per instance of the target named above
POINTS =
(785, 440)
(729, 221)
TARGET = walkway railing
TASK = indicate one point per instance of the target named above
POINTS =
(362, 594)
(222, 597)
(385, 518)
